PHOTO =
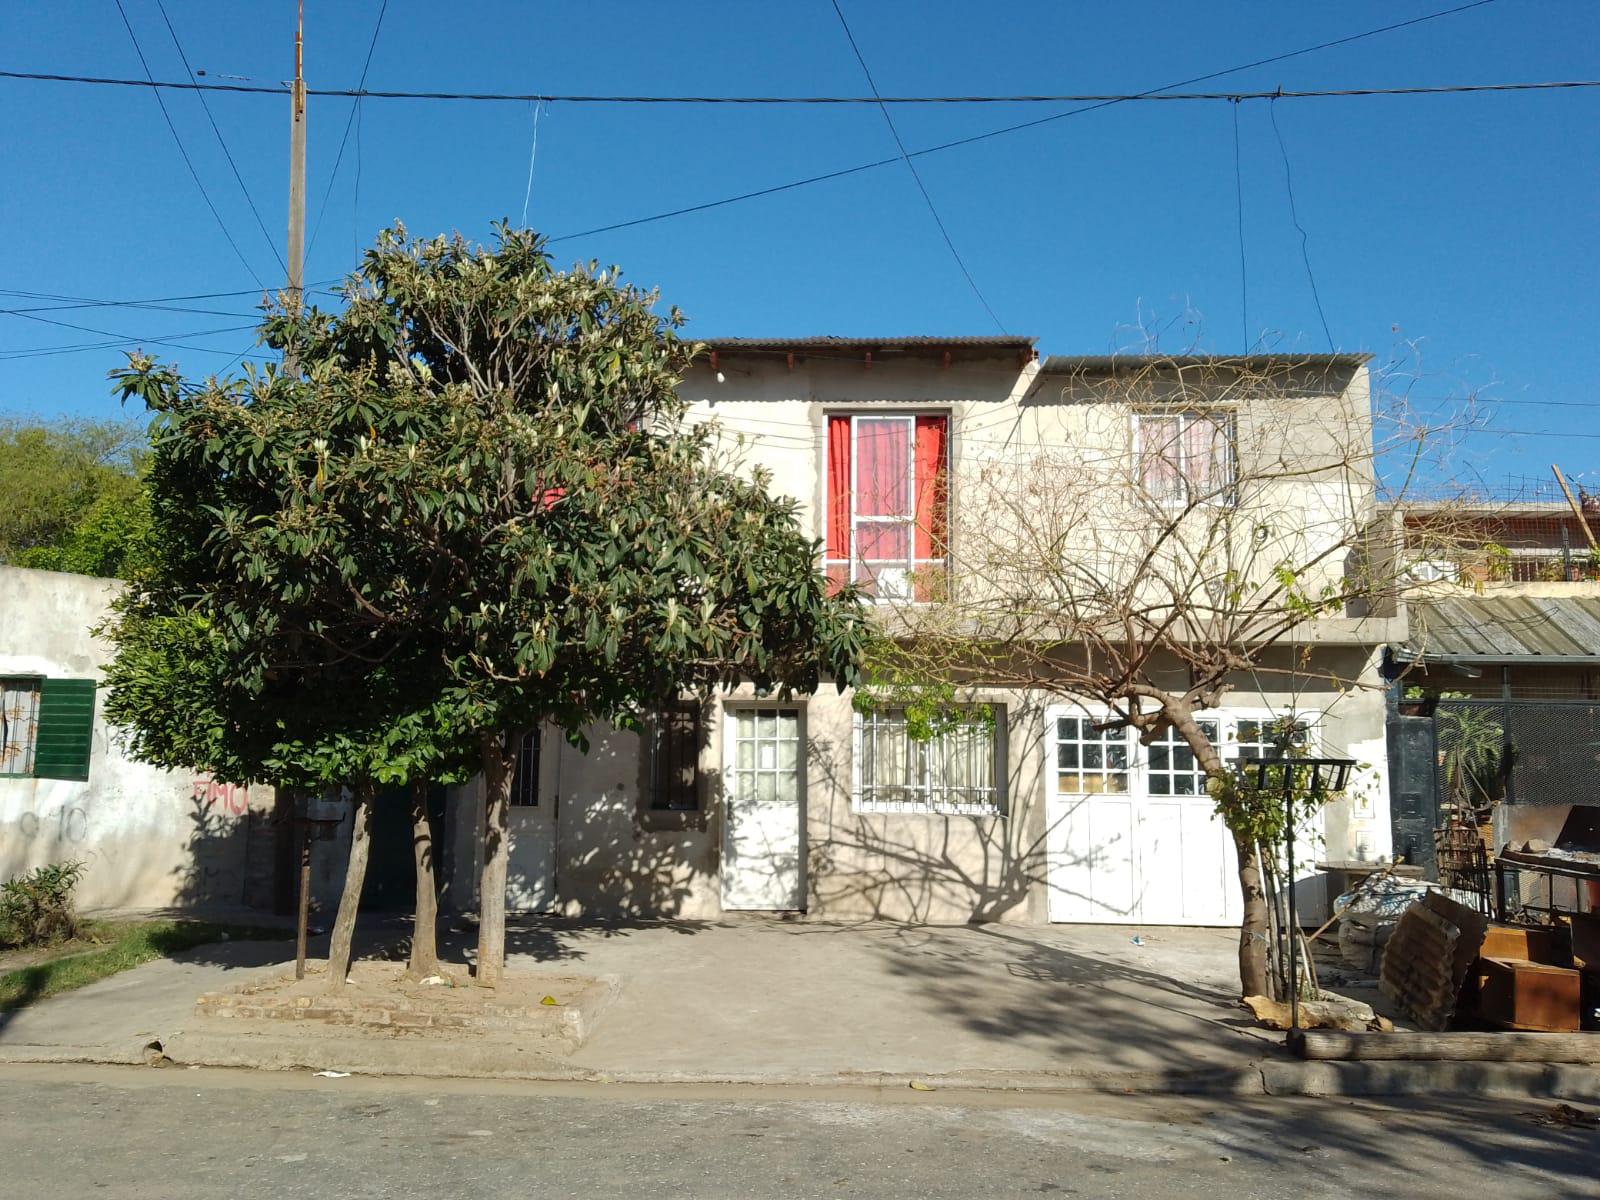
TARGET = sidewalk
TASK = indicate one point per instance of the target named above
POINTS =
(759, 1000)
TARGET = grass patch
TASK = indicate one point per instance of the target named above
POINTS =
(108, 947)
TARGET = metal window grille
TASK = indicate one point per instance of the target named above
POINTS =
(19, 725)
(525, 778)
(955, 772)
(673, 737)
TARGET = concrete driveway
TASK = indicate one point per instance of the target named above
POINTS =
(761, 998)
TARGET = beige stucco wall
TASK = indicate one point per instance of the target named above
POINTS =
(1304, 447)
(772, 416)
(899, 866)
(150, 838)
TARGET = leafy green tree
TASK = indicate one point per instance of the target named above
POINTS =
(171, 688)
(483, 488)
(74, 501)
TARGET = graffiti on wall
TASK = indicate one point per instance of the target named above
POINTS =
(70, 825)
(233, 799)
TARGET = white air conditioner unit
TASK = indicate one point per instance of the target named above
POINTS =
(1432, 571)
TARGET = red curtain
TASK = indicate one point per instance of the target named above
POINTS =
(933, 485)
(839, 487)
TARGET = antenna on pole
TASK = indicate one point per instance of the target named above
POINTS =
(297, 174)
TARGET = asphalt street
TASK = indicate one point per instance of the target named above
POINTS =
(146, 1133)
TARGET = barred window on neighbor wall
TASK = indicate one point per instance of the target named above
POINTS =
(958, 772)
(672, 736)
(1187, 457)
(46, 727)
(525, 776)
(19, 722)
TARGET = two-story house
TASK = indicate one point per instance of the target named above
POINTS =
(1040, 813)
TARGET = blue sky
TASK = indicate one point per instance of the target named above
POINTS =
(1464, 225)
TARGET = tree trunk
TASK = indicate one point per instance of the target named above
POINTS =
(344, 925)
(424, 932)
(1253, 928)
(499, 759)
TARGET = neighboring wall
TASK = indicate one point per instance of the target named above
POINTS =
(150, 838)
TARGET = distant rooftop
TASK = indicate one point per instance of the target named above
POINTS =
(1248, 362)
(881, 344)
(972, 346)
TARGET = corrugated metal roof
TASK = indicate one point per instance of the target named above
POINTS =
(1497, 629)
(1107, 362)
(830, 342)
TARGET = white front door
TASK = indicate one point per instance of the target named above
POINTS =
(763, 864)
(531, 867)
(1132, 835)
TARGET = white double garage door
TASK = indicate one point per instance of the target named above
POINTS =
(1132, 836)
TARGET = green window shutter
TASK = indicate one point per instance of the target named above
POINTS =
(65, 730)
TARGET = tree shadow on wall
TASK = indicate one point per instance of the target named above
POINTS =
(940, 869)
(222, 833)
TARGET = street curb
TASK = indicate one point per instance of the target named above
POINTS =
(1538, 1081)
(1283, 1078)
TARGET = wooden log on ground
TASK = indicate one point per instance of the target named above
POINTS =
(1452, 1047)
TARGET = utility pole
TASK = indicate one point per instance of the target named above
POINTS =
(297, 174)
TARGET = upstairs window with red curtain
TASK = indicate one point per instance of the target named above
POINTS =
(888, 504)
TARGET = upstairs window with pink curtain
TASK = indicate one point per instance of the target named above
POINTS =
(1186, 457)
(888, 503)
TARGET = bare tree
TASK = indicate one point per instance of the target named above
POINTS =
(1155, 532)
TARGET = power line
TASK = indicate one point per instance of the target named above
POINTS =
(1009, 129)
(915, 174)
(166, 308)
(117, 339)
(806, 101)
(221, 141)
(1305, 252)
(148, 302)
(181, 150)
(359, 94)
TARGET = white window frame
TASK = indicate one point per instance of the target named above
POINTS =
(1138, 769)
(912, 563)
(735, 774)
(1227, 418)
(928, 803)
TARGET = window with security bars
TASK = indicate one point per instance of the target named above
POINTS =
(672, 737)
(1090, 761)
(1186, 457)
(19, 724)
(525, 777)
(46, 727)
(955, 772)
